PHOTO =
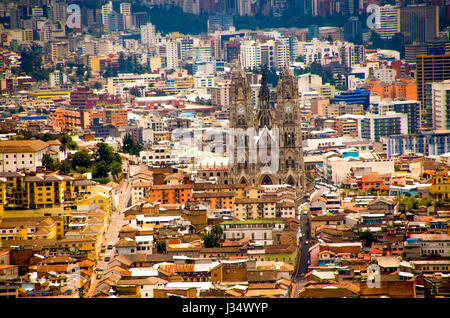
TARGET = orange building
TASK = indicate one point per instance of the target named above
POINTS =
(116, 117)
(404, 88)
(67, 119)
(217, 200)
(374, 181)
(170, 194)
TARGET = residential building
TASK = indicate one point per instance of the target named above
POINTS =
(418, 23)
(428, 143)
(374, 127)
(409, 107)
(430, 68)
(440, 101)
(261, 232)
(16, 155)
(388, 21)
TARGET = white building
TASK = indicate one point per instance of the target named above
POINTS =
(375, 127)
(172, 55)
(386, 75)
(271, 53)
(203, 81)
(387, 17)
(148, 34)
(261, 232)
(338, 170)
(320, 52)
(157, 155)
(440, 99)
(116, 85)
(18, 155)
(57, 78)
(145, 244)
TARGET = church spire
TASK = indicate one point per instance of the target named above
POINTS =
(264, 92)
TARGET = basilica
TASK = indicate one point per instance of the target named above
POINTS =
(274, 129)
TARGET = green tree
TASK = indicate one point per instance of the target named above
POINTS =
(160, 247)
(101, 170)
(97, 85)
(367, 238)
(129, 145)
(65, 167)
(67, 142)
(213, 237)
(116, 169)
(81, 159)
(135, 92)
(48, 162)
(106, 153)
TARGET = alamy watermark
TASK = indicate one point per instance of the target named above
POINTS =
(73, 20)
(373, 276)
(373, 20)
(241, 146)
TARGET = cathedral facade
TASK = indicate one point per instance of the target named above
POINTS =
(271, 152)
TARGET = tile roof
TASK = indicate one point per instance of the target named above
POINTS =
(22, 146)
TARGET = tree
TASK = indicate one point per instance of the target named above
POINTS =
(48, 162)
(129, 145)
(101, 170)
(115, 168)
(367, 238)
(160, 247)
(213, 237)
(65, 167)
(135, 92)
(81, 159)
(97, 85)
(67, 142)
(106, 153)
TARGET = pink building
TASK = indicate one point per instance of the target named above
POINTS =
(318, 106)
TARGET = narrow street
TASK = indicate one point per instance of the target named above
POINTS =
(304, 254)
(112, 234)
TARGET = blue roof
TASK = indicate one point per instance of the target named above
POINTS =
(33, 117)
(188, 114)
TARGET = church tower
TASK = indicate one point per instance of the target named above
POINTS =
(292, 170)
(277, 124)
(241, 118)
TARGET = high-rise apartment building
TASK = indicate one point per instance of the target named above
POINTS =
(388, 21)
(418, 23)
(148, 33)
(431, 143)
(112, 20)
(429, 69)
(375, 127)
(440, 99)
(172, 55)
(409, 107)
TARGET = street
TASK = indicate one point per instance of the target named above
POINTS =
(116, 221)
(303, 253)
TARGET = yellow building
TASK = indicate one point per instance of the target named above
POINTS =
(440, 188)
(47, 191)
(326, 90)
(81, 246)
(101, 200)
(35, 228)
(155, 63)
(95, 62)
(255, 208)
